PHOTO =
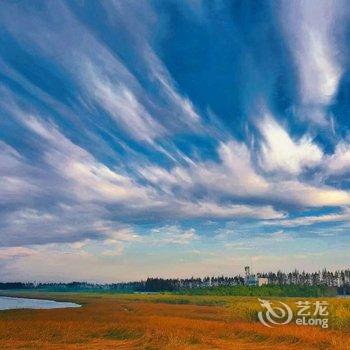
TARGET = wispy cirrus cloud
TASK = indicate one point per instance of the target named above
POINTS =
(16, 180)
(342, 216)
(313, 32)
(143, 123)
(236, 176)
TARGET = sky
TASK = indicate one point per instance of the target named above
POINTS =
(173, 138)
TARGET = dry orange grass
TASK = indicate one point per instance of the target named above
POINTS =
(132, 322)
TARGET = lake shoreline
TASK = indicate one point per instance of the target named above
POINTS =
(16, 303)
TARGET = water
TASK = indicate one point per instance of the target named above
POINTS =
(7, 303)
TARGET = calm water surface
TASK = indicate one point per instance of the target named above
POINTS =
(7, 303)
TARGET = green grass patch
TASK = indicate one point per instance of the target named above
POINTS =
(263, 291)
(122, 334)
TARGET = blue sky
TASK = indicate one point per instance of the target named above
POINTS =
(173, 138)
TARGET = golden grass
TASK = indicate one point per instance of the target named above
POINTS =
(164, 322)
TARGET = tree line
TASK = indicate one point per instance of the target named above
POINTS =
(339, 280)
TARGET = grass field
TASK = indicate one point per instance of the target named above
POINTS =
(132, 321)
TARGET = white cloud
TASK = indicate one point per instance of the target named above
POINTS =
(87, 178)
(172, 235)
(81, 187)
(344, 216)
(187, 114)
(279, 152)
(311, 27)
(239, 169)
(120, 102)
(217, 189)
(211, 209)
(15, 176)
(100, 76)
(56, 223)
(57, 192)
(339, 162)
(234, 174)
(295, 192)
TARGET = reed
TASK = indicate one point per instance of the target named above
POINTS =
(164, 322)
